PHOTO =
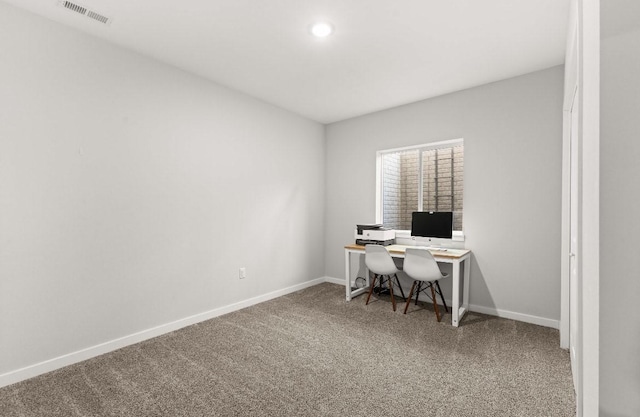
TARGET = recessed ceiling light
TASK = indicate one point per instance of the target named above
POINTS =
(321, 29)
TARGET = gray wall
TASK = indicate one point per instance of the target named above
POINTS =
(131, 193)
(619, 223)
(513, 143)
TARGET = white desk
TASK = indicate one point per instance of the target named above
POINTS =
(456, 257)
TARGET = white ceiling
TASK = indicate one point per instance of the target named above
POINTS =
(384, 53)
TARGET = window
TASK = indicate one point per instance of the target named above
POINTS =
(421, 178)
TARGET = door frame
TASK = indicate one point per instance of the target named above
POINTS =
(583, 46)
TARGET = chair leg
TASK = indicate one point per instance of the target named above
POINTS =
(400, 286)
(442, 297)
(372, 286)
(435, 304)
(418, 291)
(406, 306)
(393, 300)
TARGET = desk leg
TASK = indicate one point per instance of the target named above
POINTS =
(347, 277)
(347, 273)
(455, 296)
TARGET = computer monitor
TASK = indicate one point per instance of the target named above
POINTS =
(432, 224)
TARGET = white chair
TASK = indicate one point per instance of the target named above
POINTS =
(420, 265)
(380, 263)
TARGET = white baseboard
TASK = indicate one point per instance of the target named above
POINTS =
(31, 371)
(339, 281)
(527, 318)
(492, 311)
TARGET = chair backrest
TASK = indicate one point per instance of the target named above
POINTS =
(378, 260)
(419, 264)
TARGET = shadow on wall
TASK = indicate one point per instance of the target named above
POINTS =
(477, 283)
(479, 293)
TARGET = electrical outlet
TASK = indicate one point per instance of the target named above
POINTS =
(242, 273)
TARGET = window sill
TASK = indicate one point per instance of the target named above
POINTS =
(404, 237)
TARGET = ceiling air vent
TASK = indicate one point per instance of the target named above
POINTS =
(85, 12)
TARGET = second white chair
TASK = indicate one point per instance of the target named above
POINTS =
(420, 265)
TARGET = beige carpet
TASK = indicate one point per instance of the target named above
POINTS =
(313, 354)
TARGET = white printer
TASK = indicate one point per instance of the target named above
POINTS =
(374, 234)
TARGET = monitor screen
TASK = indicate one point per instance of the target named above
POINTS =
(438, 224)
